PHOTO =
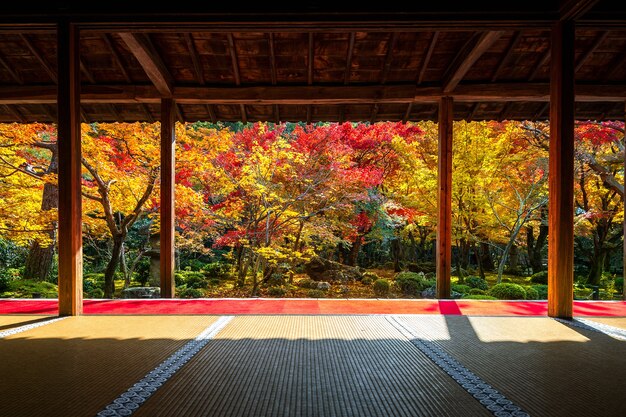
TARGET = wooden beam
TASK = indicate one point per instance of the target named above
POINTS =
(273, 72)
(195, 59)
(542, 61)
(374, 113)
(574, 9)
(16, 77)
(350, 52)
(507, 55)
(504, 114)
(467, 57)
(342, 113)
(244, 114)
(624, 202)
(303, 94)
(309, 113)
(37, 54)
(51, 117)
(276, 112)
(70, 239)
(211, 111)
(429, 54)
(616, 64)
(310, 61)
(473, 111)
(561, 173)
(147, 112)
(387, 65)
(178, 113)
(233, 58)
(168, 166)
(581, 61)
(116, 57)
(115, 113)
(542, 110)
(142, 49)
(444, 198)
(86, 72)
(15, 113)
(407, 113)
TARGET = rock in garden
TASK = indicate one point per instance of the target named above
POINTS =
(142, 292)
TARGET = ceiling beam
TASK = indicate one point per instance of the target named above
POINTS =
(477, 46)
(407, 113)
(16, 77)
(310, 61)
(146, 110)
(542, 61)
(350, 52)
(429, 54)
(211, 111)
(273, 72)
(585, 56)
(313, 95)
(507, 55)
(143, 50)
(116, 57)
(574, 9)
(387, 65)
(233, 58)
(86, 72)
(37, 54)
(195, 59)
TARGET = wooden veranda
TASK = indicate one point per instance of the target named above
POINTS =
(560, 60)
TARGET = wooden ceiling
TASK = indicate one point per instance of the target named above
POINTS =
(339, 67)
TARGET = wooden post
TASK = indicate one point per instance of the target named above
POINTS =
(69, 174)
(624, 200)
(168, 140)
(444, 212)
(561, 173)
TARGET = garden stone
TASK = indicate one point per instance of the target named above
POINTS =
(142, 292)
(323, 286)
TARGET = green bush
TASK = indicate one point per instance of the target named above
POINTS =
(191, 279)
(411, 283)
(542, 291)
(95, 293)
(381, 287)
(315, 294)
(216, 270)
(5, 280)
(508, 291)
(539, 278)
(307, 283)
(461, 289)
(276, 292)
(368, 278)
(478, 297)
(214, 282)
(92, 282)
(477, 291)
(185, 292)
(531, 293)
(477, 282)
(619, 284)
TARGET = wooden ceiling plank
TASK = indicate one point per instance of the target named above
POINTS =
(273, 72)
(116, 57)
(16, 77)
(575, 9)
(233, 58)
(195, 59)
(244, 115)
(477, 46)
(429, 54)
(15, 113)
(211, 111)
(542, 61)
(507, 55)
(388, 57)
(350, 52)
(143, 50)
(310, 60)
(374, 113)
(148, 113)
(37, 54)
(407, 113)
(116, 115)
(86, 72)
(585, 56)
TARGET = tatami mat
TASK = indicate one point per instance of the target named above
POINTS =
(619, 322)
(74, 367)
(546, 367)
(11, 322)
(310, 366)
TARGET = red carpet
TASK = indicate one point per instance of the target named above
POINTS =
(315, 306)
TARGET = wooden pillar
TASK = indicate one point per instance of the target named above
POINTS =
(624, 200)
(444, 198)
(561, 173)
(168, 140)
(69, 172)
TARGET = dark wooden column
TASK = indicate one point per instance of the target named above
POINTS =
(624, 200)
(561, 174)
(168, 140)
(69, 174)
(444, 213)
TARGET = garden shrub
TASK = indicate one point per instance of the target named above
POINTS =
(276, 292)
(411, 283)
(193, 279)
(381, 287)
(619, 284)
(185, 292)
(542, 291)
(307, 283)
(508, 291)
(276, 279)
(216, 270)
(92, 282)
(315, 294)
(213, 282)
(461, 289)
(95, 293)
(477, 291)
(478, 297)
(369, 277)
(5, 280)
(477, 282)
(531, 293)
(539, 278)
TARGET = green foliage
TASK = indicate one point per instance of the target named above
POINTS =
(531, 293)
(461, 289)
(307, 283)
(25, 288)
(477, 291)
(542, 291)
(191, 279)
(508, 291)
(539, 278)
(315, 294)
(92, 282)
(184, 292)
(5, 280)
(369, 277)
(95, 293)
(276, 292)
(478, 297)
(216, 270)
(619, 284)
(381, 287)
(477, 282)
(412, 283)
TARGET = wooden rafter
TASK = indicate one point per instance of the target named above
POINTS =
(276, 112)
(45, 110)
(15, 113)
(473, 111)
(429, 54)
(388, 57)
(85, 72)
(474, 49)
(273, 72)
(116, 57)
(195, 59)
(211, 111)
(374, 113)
(542, 61)
(148, 113)
(346, 75)
(116, 115)
(309, 113)
(310, 61)
(16, 77)
(37, 54)
(574, 9)
(542, 110)
(506, 110)
(244, 114)
(142, 49)
(179, 113)
(585, 56)
(407, 113)
(614, 66)
(233, 58)
(507, 55)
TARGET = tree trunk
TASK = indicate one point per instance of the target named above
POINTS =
(124, 267)
(464, 250)
(514, 260)
(596, 267)
(486, 261)
(534, 247)
(396, 253)
(354, 251)
(109, 272)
